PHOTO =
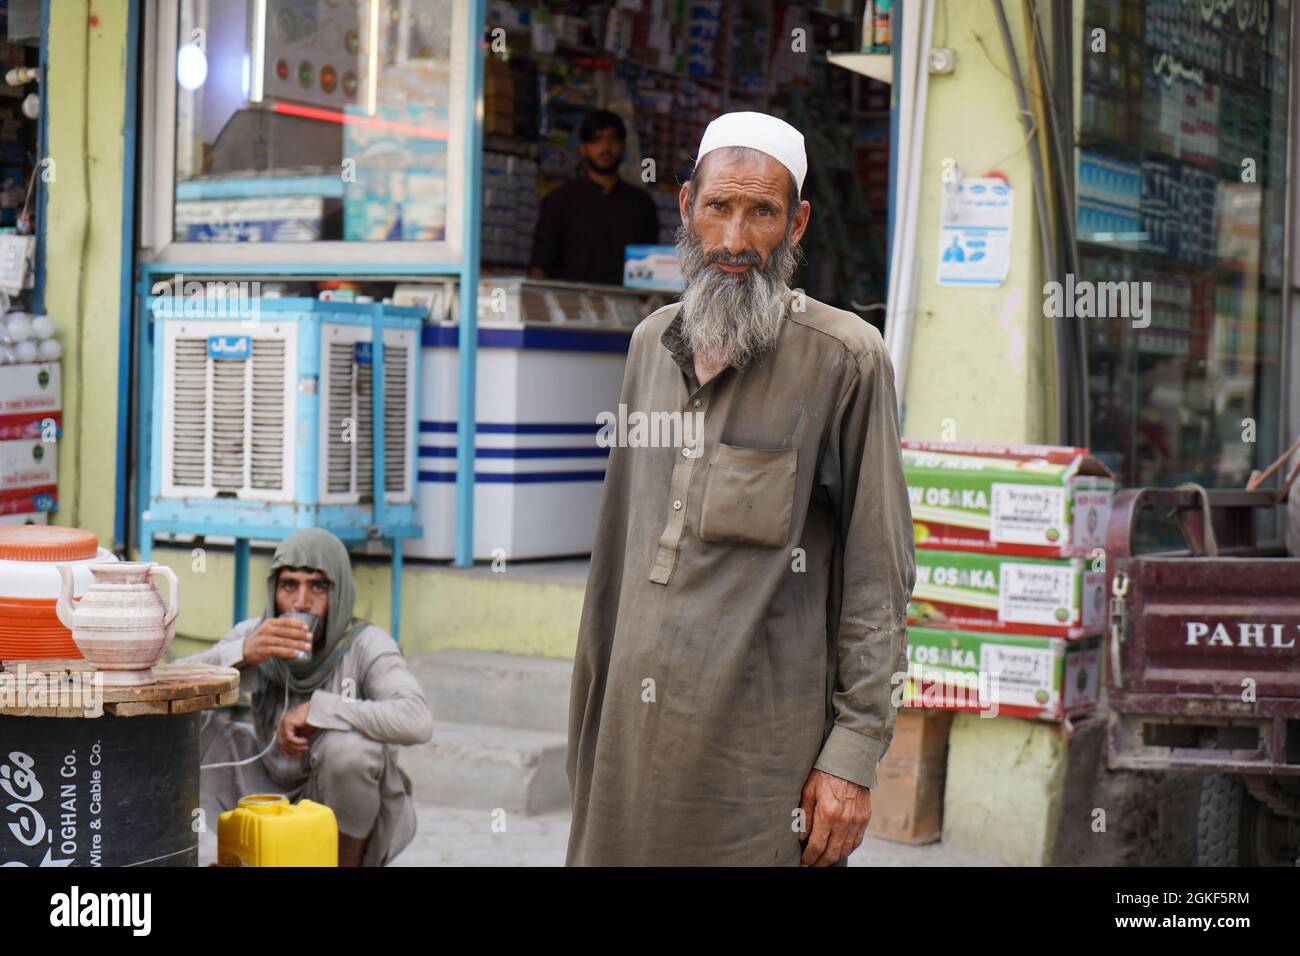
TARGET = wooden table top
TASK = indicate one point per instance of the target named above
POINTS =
(176, 689)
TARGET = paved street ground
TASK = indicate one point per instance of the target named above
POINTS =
(451, 836)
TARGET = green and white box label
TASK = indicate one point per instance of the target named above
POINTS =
(1023, 676)
(1027, 514)
(1036, 593)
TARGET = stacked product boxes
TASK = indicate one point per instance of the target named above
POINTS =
(1010, 600)
(30, 406)
(510, 208)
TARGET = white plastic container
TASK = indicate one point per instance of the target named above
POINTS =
(30, 586)
(39, 579)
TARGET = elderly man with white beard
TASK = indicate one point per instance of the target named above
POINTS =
(744, 620)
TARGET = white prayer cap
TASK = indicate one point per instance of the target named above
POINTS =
(767, 134)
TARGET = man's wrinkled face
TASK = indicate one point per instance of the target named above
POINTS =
(741, 211)
(604, 152)
(302, 589)
(737, 248)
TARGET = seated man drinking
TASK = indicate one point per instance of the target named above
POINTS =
(337, 703)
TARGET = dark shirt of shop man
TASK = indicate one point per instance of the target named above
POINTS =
(584, 226)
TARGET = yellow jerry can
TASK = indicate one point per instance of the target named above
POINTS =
(268, 830)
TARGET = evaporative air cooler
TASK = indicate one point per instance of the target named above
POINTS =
(265, 418)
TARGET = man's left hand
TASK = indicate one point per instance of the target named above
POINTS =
(836, 811)
(294, 732)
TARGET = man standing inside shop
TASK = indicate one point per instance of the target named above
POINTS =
(745, 610)
(584, 226)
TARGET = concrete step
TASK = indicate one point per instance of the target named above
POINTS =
(506, 690)
(484, 766)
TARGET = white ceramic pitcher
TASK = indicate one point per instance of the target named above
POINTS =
(121, 625)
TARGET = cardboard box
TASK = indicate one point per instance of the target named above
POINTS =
(907, 804)
(16, 507)
(1038, 501)
(1054, 597)
(29, 517)
(28, 390)
(652, 267)
(497, 124)
(17, 427)
(258, 219)
(400, 189)
(1007, 675)
(29, 467)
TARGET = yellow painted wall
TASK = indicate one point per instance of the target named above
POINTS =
(86, 90)
(442, 607)
(978, 355)
(981, 358)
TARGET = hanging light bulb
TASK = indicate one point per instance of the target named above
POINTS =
(191, 66)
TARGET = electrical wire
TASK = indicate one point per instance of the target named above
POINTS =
(1062, 391)
(1040, 207)
(248, 760)
(1078, 395)
(1065, 161)
(80, 318)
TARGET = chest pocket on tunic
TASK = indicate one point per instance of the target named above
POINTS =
(749, 495)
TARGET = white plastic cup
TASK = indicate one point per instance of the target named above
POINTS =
(48, 350)
(26, 352)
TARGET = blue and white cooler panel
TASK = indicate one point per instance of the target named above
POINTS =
(271, 425)
(538, 469)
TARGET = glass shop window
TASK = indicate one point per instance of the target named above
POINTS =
(312, 120)
(1181, 213)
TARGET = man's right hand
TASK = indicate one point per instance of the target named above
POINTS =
(276, 637)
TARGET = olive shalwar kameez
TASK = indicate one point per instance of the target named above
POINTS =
(746, 604)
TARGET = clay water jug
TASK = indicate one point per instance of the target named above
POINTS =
(121, 625)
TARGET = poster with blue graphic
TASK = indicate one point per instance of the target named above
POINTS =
(975, 232)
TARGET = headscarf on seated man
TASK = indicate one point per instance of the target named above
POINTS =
(318, 550)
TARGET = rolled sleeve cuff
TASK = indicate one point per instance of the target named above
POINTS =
(229, 653)
(850, 755)
(324, 711)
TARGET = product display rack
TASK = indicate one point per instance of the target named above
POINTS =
(672, 104)
(1177, 100)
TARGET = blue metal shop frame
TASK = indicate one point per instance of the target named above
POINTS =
(137, 321)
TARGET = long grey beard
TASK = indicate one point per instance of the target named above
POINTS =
(733, 318)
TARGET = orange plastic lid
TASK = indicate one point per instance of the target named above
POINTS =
(36, 542)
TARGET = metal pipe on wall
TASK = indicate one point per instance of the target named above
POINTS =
(915, 77)
(467, 341)
(1061, 326)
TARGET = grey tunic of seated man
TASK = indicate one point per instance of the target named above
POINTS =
(351, 704)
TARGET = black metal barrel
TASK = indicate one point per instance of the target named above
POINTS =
(106, 791)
